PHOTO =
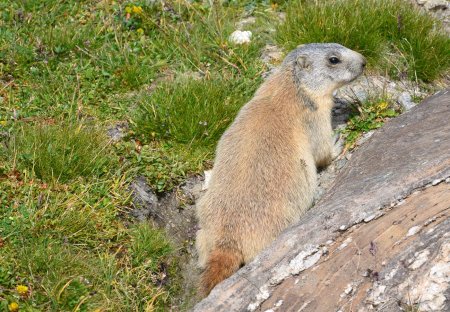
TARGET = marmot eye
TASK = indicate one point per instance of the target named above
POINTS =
(334, 60)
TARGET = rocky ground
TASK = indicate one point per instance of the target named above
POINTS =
(438, 8)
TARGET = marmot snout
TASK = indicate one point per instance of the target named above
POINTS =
(264, 174)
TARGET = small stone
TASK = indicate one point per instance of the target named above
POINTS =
(245, 22)
(271, 54)
(342, 227)
(447, 180)
(240, 37)
(414, 230)
(405, 100)
(369, 218)
(434, 5)
(118, 131)
(281, 16)
(349, 289)
(208, 174)
(435, 182)
(345, 243)
(146, 202)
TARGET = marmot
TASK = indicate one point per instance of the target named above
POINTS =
(265, 174)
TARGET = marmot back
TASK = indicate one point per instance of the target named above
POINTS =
(264, 174)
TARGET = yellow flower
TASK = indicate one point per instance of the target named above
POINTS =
(137, 9)
(13, 307)
(22, 290)
(3, 123)
(128, 9)
(140, 31)
(380, 107)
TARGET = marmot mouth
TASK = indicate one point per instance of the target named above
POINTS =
(357, 75)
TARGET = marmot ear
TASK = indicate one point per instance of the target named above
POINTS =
(302, 61)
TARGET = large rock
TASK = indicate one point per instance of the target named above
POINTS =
(440, 9)
(378, 239)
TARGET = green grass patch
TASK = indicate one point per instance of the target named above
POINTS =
(165, 165)
(194, 36)
(61, 152)
(367, 116)
(79, 65)
(147, 244)
(67, 244)
(392, 34)
(193, 112)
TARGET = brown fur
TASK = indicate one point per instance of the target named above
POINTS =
(264, 175)
(221, 264)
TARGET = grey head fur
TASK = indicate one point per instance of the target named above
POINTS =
(321, 68)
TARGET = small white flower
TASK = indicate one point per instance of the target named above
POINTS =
(240, 37)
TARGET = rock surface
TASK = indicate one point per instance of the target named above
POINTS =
(377, 239)
(118, 131)
(440, 9)
(175, 213)
(376, 87)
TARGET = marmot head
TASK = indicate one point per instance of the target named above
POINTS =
(321, 68)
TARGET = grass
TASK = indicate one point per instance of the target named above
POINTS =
(367, 116)
(193, 112)
(69, 70)
(68, 246)
(165, 165)
(61, 152)
(393, 35)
